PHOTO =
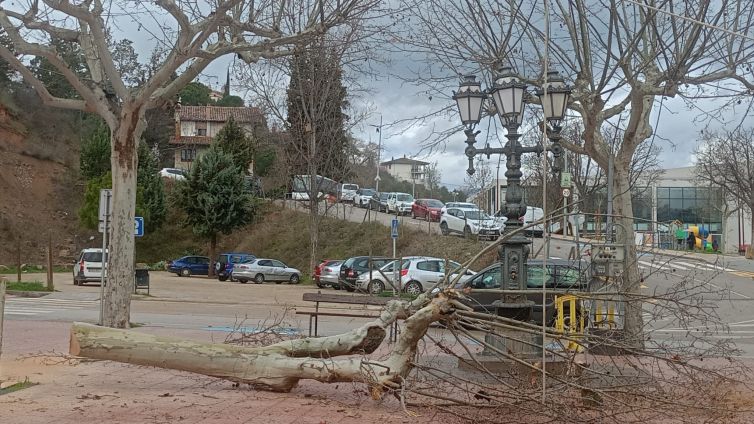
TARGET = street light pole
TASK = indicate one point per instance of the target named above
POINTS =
(379, 152)
(508, 94)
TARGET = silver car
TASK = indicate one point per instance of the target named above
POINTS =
(329, 274)
(417, 274)
(261, 270)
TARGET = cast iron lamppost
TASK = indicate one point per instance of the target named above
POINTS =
(508, 94)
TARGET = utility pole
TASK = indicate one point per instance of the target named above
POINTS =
(379, 152)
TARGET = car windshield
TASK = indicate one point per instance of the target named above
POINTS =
(432, 203)
(367, 192)
(249, 261)
(476, 215)
(93, 257)
(405, 198)
(383, 196)
(350, 187)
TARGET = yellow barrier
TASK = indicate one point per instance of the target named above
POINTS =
(574, 331)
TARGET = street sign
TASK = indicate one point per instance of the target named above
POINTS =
(565, 179)
(105, 198)
(566, 192)
(394, 228)
(139, 226)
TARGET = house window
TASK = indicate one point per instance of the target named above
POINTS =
(188, 155)
(201, 128)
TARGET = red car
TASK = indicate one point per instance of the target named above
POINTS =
(428, 209)
(318, 270)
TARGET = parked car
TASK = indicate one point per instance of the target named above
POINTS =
(318, 270)
(561, 277)
(471, 222)
(417, 274)
(458, 205)
(330, 274)
(348, 192)
(532, 215)
(226, 261)
(399, 203)
(363, 196)
(189, 265)
(88, 267)
(173, 173)
(355, 266)
(428, 209)
(261, 270)
(378, 202)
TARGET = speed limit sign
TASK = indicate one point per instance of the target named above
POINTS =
(566, 192)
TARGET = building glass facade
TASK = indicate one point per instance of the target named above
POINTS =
(699, 206)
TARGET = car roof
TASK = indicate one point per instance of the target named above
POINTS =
(236, 253)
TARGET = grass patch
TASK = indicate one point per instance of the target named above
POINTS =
(28, 286)
(32, 269)
(18, 386)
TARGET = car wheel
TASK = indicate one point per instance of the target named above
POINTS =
(413, 215)
(320, 285)
(444, 228)
(222, 277)
(259, 278)
(376, 287)
(414, 288)
(294, 279)
(349, 288)
(75, 282)
(185, 272)
(467, 232)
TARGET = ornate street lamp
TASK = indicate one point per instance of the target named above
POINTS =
(470, 100)
(508, 94)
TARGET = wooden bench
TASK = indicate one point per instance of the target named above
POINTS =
(354, 299)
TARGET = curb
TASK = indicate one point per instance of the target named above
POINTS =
(28, 293)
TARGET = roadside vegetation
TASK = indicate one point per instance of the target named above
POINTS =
(27, 286)
(284, 234)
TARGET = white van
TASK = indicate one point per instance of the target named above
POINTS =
(348, 192)
(533, 214)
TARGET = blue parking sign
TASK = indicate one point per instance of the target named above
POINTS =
(139, 226)
(394, 228)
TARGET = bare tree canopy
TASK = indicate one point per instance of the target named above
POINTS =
(725, 159)
(622, 58)
(198, 34)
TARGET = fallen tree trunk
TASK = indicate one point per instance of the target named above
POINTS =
(280, 366)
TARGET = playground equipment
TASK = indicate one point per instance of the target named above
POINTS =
(702, 237)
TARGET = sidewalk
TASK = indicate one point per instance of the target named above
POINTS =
(75, 392)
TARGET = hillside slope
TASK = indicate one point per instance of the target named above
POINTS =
(38, 200)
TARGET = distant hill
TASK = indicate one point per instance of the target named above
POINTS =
(39, 194)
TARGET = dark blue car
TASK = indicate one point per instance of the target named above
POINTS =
(189, 265)
(226, 261)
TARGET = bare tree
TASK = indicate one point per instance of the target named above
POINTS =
(252, 30)
(725, 160)
(479, 182)
(624, 57)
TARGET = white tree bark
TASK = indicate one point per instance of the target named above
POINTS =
(280, 366)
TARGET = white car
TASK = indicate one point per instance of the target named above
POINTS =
(399, 203)
(88, 267)
(532, 215)
(348, 192)
(363, 196)
(459, 205)
(471, 222)
(173, 173)
(417, 274)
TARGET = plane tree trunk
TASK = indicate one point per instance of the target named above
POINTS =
(280, 366)
(120, 277)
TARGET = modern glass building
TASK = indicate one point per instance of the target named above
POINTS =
(675, 199)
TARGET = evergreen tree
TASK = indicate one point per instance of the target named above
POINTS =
(316, 103)
(94, 159)
(95, 169)
(213, 198)
(195, 94)
(148, 180)
(230, 101)
(233, 140)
